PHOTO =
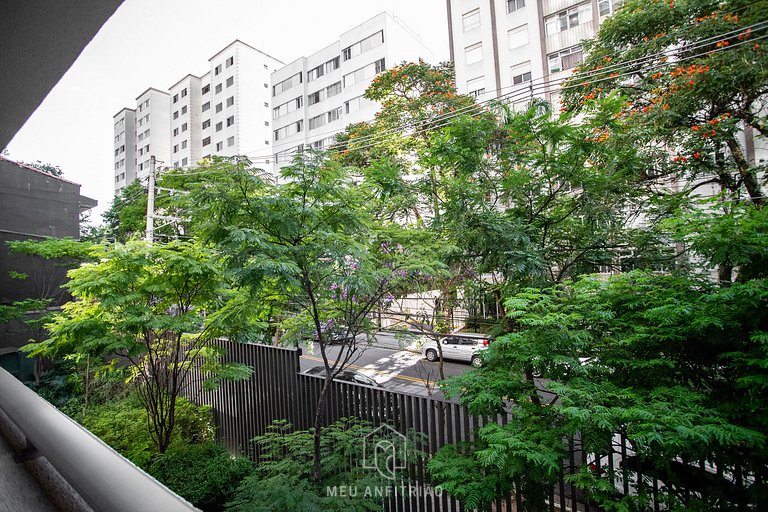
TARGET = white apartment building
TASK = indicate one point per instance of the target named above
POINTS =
(508, 46)
(226, 111)
(139, 134)
(316, 97)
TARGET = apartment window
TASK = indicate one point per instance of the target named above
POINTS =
(266, 103)
(140, 137)
(476, 86)
(184, 127)
(286, 107)
(218, 88)
(184, 162)
(230, 101)
(219, 146)
(266, 142)
(206, 124)
(332, 64)
(217, 70)
(183, 110)
(364, 73)
(219, 107)
(313, 98)
(267, 87)
(317, 121)
(473, 53)
(471, 20)
(334, 115)
(606, 7)
(219, 126)
(565, 59)
(230, 81)
(175, 164)
(355, 104)
(206, 141)
(287, 131)
(518, 37)
(175, 132)
(230, 120)
(206, 105)
(230, 141)
(363, 46)
(184, 144)
(175, 98)
(184, 92)
(333, 90)
(521, 73)
(176, 148)
(513, 5)
(568, 19)
(206, 89)
(230, 61)
(266, 123)
(286, 84)
(315, 73)
(176, 114)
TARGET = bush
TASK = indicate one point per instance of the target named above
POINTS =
(122, 424)
(205, 474)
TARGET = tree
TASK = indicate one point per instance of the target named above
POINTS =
(146, 304)
(311, 242)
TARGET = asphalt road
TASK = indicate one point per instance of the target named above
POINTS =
(392, 361)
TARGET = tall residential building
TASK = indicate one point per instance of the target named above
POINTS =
(503, 46)
(316, 97)
(140, 133)
(226, 111)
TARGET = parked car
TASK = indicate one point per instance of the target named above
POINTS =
(346, 376)
(458, 347)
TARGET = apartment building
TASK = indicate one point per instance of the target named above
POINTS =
(226, 111)
(140, 133)
(316, 97)
(518, 46)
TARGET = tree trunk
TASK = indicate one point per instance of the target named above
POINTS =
(318, 425)
(747, 174)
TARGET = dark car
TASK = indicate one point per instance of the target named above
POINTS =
(346, 376)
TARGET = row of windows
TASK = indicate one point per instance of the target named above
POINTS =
(219, 146)
(120, 177)
(322, 119)
(606, 7)
(365, 73)
(286, 84)
(119, 136)
(183, 95)
(327, 92)
(516, 38)
(144, 104)
(565, 59)
(143, 135)
(119, 150)
(322, 69)
(144, 150)
(120, 163)
(183, 146)
(356, 104)
(363, 46)
(287, 107)
(143, 120)
(521, 73)
(287, 131)
(144, 165)
(564, 20)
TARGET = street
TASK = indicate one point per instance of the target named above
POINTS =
(392, 361)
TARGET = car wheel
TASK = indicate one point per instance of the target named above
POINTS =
(477, 361)
(431, 355)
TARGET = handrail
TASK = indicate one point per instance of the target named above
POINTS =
(104, 479)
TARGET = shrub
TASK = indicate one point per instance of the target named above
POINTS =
(205, 474)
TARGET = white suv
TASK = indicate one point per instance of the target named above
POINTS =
(461, 347)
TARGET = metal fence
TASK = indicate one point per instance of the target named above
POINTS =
(279, 391)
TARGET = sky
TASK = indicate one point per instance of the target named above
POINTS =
(155, 43)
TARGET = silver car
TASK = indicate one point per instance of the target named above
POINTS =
(463, 347)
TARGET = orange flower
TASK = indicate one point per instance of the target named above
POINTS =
(695, 128)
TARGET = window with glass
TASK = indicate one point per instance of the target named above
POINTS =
(286, 84)
(566, 59)
(364, 73)
(470, 20)
(564, 20)
(363, 46)
(513, 5)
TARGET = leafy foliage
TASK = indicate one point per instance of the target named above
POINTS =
(203, 473)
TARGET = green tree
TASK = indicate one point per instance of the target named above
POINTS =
(311, 242)
(147, 304)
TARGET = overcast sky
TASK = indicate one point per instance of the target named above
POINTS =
(155, 43)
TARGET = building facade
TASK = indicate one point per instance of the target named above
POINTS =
(520, 48)
(226, 111)
(316, 97)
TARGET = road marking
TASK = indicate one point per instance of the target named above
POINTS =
(379, 372)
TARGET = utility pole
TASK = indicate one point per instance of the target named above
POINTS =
(151, 202)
